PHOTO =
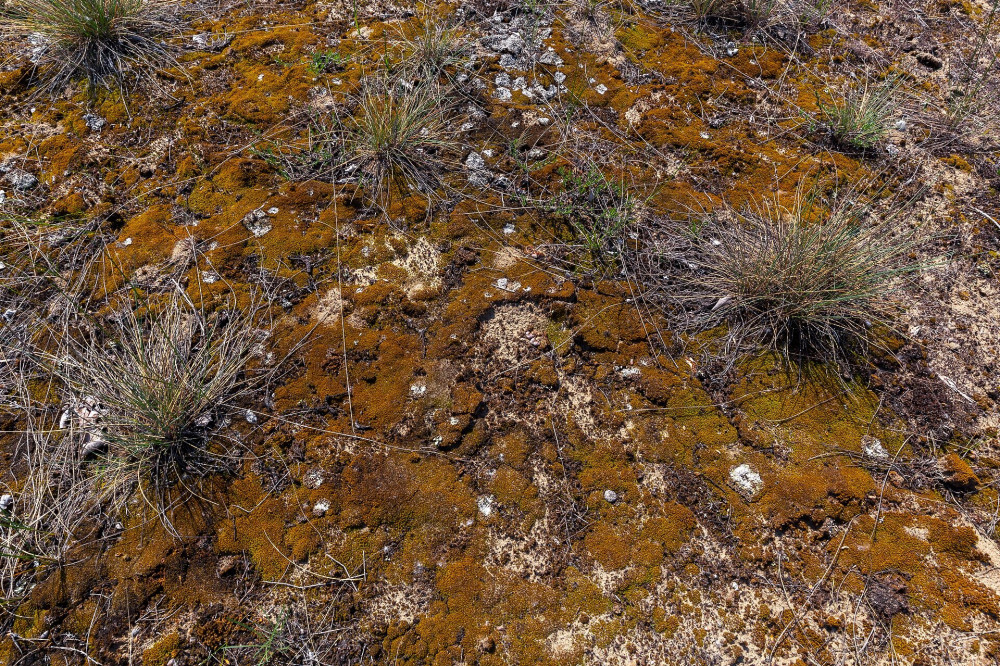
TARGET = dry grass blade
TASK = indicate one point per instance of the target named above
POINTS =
(97, 40)
(51, 502)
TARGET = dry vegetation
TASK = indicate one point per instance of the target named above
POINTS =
(499, 332)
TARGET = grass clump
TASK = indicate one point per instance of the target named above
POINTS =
(599, 209)
(434, 49)
(146, 395)
(96, 40)
(808, 282)
(861, 117)
(744, 13)
(399, 137)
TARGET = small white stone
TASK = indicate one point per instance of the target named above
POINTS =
(475, 161)
(321, 507)
(746, 480)
(250, 416)
(873, 448)
(6, 501)
(601, 89)
(273, 210)
(610, 496)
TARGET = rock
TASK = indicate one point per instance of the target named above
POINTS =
(746, 480)
(6, 501)
(256, 223)
(732, 49)
(21, 179)
(475, 161)
(321, 507)
(610, 496)
(94, 122)
(956, 473)
(873, 448)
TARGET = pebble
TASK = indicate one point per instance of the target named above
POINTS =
(321, 507)
(873, 448)
(256, 223)
(746, 480)
(6, 501)
(475, 161)
(94, 122)
(732, 49)
(610, 496)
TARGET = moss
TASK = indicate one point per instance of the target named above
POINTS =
(163, 650)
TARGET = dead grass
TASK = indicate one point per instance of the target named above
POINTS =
(148, 392)
(860, 117)
(96, 40)
(399, 139)
(814, 282)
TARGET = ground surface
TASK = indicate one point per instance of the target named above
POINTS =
(485, 447)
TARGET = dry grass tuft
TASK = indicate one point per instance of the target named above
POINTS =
(860, 118)
(399, 137)
(97, 40)
(147, 395)
(808, 282)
